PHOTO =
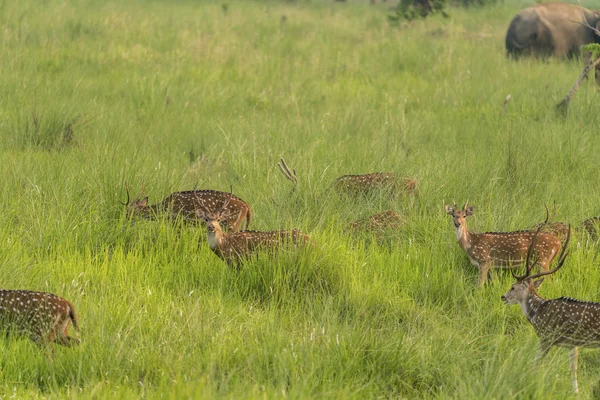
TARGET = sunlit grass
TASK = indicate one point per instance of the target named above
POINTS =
(94, 95)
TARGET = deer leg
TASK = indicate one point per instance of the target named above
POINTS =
(484, 269)
(67, 341)
(573, 364)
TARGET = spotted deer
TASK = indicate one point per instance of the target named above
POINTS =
(43, 317)
(185, 204)
(562, 322)
(560, 229)
(360, 184)
(500, 249)
(591, 226)
(376, 181)
(232, 247)
(379, 222)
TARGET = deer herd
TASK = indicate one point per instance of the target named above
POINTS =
(564, 322)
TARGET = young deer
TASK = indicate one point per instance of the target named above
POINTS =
(560, 229)
(43, 317)
(500, 249)
(360, 184)
(186, 203)
(562, 322)
(235, 246)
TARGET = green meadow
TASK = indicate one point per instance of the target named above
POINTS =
(164, 94)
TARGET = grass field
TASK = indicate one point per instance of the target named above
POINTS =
(96, 94)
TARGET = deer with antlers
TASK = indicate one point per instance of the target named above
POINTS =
(562, 322)
(500, 249)
(360, 184)
(185, 204)
(234, 246)
(43, 317)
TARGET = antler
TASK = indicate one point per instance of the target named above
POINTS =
(561, 260)
(528, 267)
(200, 201)
(466, 205)
(128, 198)
(227, 200)
(548, 212)
(285, 170)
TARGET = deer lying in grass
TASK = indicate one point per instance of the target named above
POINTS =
(43, 317)
(562, 322)
(591, 226)
(361, 184)
(235, 246)
(185, 204)
(500, 249)
(369, 183)
(379, 222)
(559, 229)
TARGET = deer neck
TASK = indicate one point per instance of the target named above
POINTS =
(531, 305)
(463, 236)
(215, 239)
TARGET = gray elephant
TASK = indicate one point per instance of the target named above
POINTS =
(552, 29)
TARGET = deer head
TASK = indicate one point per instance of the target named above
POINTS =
(527, 284)
(139, 205)
(458, 216)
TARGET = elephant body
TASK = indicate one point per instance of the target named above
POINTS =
(551, 29)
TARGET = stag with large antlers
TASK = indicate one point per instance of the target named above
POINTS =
(563, 322)
(235, 246)
(500, 249)
(43, 317)
(185, 204)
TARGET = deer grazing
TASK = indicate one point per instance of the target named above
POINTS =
(560, 229)
(43, 317)
(185, 204)
(500, 249)
(234, 246)
(562, 322)
(379, 222)
(360, 184)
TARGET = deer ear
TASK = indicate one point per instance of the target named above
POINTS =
(538, 283)
(449, 210)
(470, 210)
(143, 202)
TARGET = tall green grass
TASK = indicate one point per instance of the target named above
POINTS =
(97, 94)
